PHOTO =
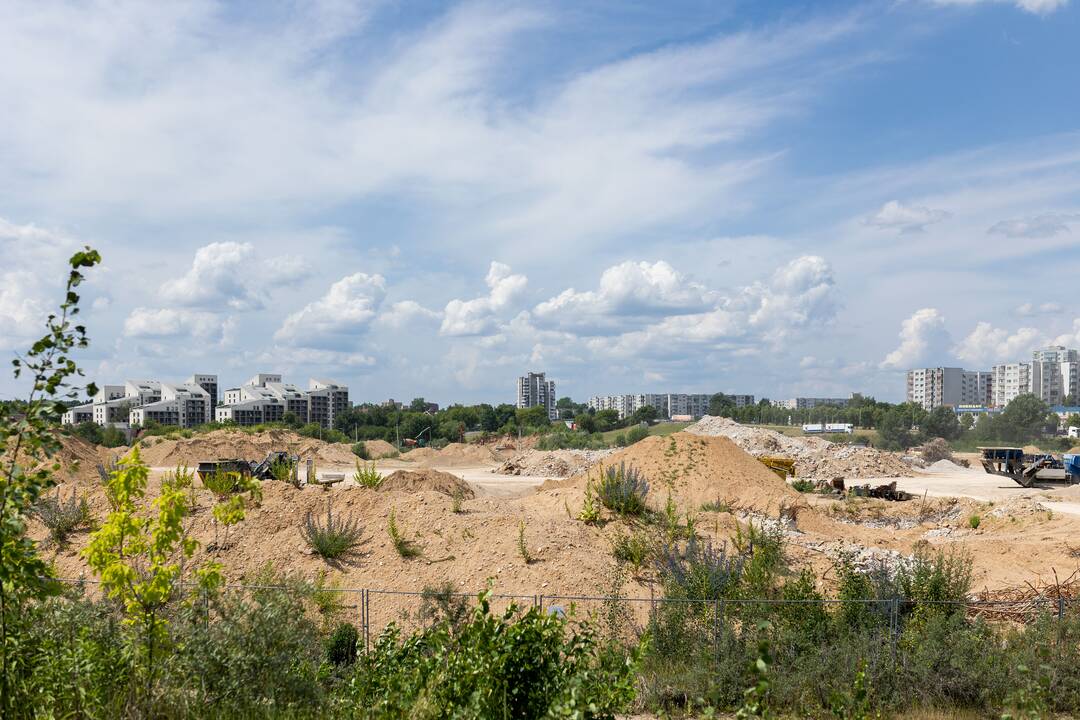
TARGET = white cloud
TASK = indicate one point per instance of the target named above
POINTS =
(293, 357)
(407, 312)
(230, 274)
(479, 316)
(628, 292)
(1047, 308)
(31, 280)
(1037, 7)
(923, 338)
(1036, 226)
(800, 294)
(174, 323)
(987, 344)
(894, 215)
(339, 317)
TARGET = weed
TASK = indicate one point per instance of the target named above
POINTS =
(634, 550)
(361, 451)
(335, 537)
(283, 470)
(222, 483)
(974, 521)
(623, 490)
(182, 479)
(716, 506)
(63, 517)
(522, 546)
(327, 597)
(590, 511)
(367, 476)
(341, 645)
(803, 486)
(405, 548)
(455, 502)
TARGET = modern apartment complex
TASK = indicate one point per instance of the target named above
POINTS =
(535, 390)
(805, 403)
(265, 398)
(951, 386)
(667, 405)
(1052, 375)
(137, 402)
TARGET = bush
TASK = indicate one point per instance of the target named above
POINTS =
(360, 450)
(623, 490)
(634, 550)
(636, 433)
(803, 486)
(63, 517)
(367, 476)
(341, 646)
(936, 449)
(333, 538)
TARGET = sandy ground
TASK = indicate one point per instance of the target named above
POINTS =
(979, 485)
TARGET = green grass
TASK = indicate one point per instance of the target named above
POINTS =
(661, 429)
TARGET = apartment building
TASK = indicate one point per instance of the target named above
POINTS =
(933, 387)
(265, 398)
(535, 390)
(805, 403)
(742, 400)
(137, 402)
(1054, 371)
(1010, 380)
(665, 404)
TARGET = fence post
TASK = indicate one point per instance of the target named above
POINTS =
(367, 620)
(895, 623)
(540, 602)
(1061, 608)
(716, 630)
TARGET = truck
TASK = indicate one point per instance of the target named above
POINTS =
(847, 428)
(812, 428)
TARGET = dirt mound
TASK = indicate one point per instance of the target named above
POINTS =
(427, 479)
(697, 470)
(815, 458)
(377, 449)
(454, 455)
(947, 466)
(554, 463)
(161, 452)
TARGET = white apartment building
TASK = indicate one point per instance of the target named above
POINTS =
(265, 398)
(184, 405)
(137, 402)
(78, 414)
(933, 387)
(1010, 380)
(666, 404)
(535, 390)
(1054, 372)
(805, 403)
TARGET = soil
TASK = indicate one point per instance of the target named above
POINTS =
(427, 480)
(455, 454)
(552, 463)
(816, 458)
(220, 444)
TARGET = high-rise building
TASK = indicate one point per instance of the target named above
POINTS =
(1054, 373)
(1010, 380)
(265, 398)
(952, 387)
(535, 390)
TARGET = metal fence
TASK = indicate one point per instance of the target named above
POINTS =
(374, 610)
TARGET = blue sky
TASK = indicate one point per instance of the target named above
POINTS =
(430, 198)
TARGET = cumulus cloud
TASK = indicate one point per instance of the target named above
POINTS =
(231, 275)
(479, 316)
(407, 312)
(987, 344)
(1035, 226)
(30, 279)
(1036, 7)
(174, 323)
(1047, 308)
(338, 317)
(628, 292)
(799, 294)
(894, 215)
(923, 338)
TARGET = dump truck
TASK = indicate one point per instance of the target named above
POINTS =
(1027, 468)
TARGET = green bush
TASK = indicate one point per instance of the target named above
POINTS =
(803, 486)
(63, 517)
(367, 476)
(623, 490)
(341, 646)
(333, 538)
(634, 550)
(636, 433)
(360, 450)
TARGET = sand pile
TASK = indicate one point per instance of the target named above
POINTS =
(159, 452)
(947, 466)
(697, 470)
(815, 458)
(427, 479)
(454, 454)
(554, 463)
(377, 449)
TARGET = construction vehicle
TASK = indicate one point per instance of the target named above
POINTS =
(260, 470)
(1027, 468)
(782, 466)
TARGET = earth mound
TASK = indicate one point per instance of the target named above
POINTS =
(427, 479)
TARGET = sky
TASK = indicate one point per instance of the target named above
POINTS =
(430, 199)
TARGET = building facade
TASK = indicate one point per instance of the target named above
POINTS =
(666, 405)
(265, 398)
(138, 402)
(805, 403)
(949, 386)
(535, 390)
(1010, 380)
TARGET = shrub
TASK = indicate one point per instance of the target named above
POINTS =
(63, 517)
(333, 538)
(223, 483)
(367, 476)
(282, 471)
(636, 433)
(523, 547)
(590, 512)
(623, 490)
(341, 645)
(632, 550)
(974, 522)
(620, 440)
(456, 499)
(803, 486)
(360, 451)
(405, 548)
(936, 449)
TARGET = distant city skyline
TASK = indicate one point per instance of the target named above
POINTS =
(786, 199)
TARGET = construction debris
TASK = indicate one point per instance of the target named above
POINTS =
(815, 458)
(555, 463)
(884, 492)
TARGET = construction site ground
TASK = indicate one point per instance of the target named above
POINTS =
(1021, 536)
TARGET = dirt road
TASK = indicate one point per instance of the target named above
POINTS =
(979, 485)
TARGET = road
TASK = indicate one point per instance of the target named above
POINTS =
(983, 486)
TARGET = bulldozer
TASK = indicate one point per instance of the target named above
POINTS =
(782, 466)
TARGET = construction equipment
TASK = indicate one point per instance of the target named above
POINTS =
(261, 470)
(1025, 468)
(884, 492)
(782, 466)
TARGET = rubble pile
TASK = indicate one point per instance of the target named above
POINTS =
(816, 458)
(556, 463)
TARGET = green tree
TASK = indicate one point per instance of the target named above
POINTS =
(27, 442)
(534, 417)
(721, 405)
(644, 414)
(418, 405)
(1023, 419)
(942, 423)
(894, 430)
(606, 420)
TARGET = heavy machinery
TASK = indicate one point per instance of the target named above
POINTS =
(782, 466)
(261, 470)
(1027, 468)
